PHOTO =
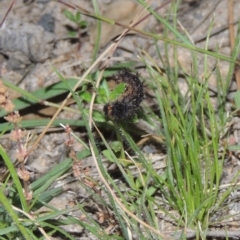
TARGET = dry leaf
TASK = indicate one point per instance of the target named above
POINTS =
(122, 11)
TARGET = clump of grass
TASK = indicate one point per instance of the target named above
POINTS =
(192, 128)
(18, 200)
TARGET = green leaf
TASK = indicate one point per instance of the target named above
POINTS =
(99, 116)
(138, 182)
(83, 154)
(116, 146)
(150, 191)
(134, 119)
(78, 17)
(86, 96)
(69, 15)
(234, 148)
(236, 97)
(106, 153)
(103, 92)
(83, 24)
(72, 34)
(118, 90)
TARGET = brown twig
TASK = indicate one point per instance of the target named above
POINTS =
(6, 14)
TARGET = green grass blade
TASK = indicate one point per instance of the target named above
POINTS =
(5, 202)
(15, 178)
(28, 99)
(45, 181)
(5, 127)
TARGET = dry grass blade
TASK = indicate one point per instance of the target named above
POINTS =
(9, 9)
(32, 219)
